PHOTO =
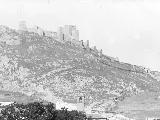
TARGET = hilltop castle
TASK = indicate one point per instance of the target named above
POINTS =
(67, 33)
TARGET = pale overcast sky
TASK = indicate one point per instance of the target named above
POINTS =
(128, 29)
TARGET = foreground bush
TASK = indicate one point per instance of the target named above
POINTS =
(38, 111)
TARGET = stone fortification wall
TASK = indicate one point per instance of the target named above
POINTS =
(69, 33)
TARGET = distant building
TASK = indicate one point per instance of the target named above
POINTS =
(81, 102)
(60, 104)
(22, 26)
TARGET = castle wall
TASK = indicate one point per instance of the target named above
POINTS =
(94, 50)
(51, 34)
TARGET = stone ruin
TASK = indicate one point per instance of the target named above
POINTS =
(71, 34)
(68, 33)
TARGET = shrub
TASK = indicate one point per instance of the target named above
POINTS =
(38, 111)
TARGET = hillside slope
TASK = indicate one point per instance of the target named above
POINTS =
(49, 69)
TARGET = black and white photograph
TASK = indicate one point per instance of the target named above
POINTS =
(79, 59)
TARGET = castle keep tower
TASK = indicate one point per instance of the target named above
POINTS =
(68, 33)
(61, 34)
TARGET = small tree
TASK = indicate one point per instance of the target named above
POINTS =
(31, 111)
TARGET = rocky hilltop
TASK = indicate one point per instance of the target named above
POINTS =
(41, 66)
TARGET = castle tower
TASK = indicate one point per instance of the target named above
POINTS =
(95, 49)
(61, 34)
(80, 102)
(75, 34)
(69, 33)
(100, 53)
(81, 43)
(22, 26)
(88, 43)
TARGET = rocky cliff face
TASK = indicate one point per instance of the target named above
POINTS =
(44, 67)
